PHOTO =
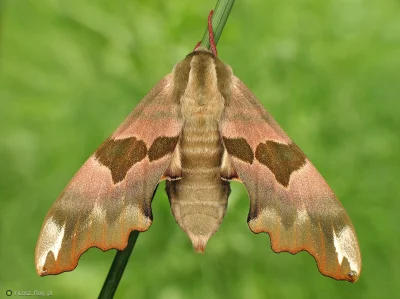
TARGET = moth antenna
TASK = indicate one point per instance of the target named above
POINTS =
(197, 45)
(211, 34)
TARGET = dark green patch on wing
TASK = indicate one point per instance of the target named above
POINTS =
(120, 155)
(281, 159)
(239, 148)
(161, 147)
(181, 79)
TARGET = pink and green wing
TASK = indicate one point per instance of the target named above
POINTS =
(111, 194)
(289, 199)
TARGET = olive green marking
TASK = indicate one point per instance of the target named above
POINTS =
(181, 79)
(224, 80)
(120, 155)
(239, 148)
(281, 159)
(255, 208)
(283, 207)
(329, 221)
(72, 218)
(161, 147)
(182, 71)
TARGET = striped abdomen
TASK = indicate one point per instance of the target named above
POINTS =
(199, 198)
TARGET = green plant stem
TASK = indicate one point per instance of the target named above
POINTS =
(220, 16)
(117, 268)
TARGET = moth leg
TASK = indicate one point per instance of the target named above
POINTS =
(228, 171)
(174, 170)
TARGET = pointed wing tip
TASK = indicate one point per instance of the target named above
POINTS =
(40, 271)
(343, 273)
(344, 270)
(346, 275)
(52, 267)
(353, 276)
(48, 264)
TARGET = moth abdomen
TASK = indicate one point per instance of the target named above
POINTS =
(199, 199)
(198, 208)
(200, 220)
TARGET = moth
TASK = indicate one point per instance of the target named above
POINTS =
(199, 128)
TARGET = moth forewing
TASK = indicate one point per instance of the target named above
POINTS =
(289, 199)
(111, 194)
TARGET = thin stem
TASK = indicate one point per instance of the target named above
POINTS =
(117, 268)
(220, 16)
(2, 9)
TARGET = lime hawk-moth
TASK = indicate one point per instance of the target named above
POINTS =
(199, 128)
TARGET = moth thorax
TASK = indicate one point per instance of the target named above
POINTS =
(209, 109)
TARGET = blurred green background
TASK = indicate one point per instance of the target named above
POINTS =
(327, 70)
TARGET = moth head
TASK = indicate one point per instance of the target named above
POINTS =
(202, 49)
